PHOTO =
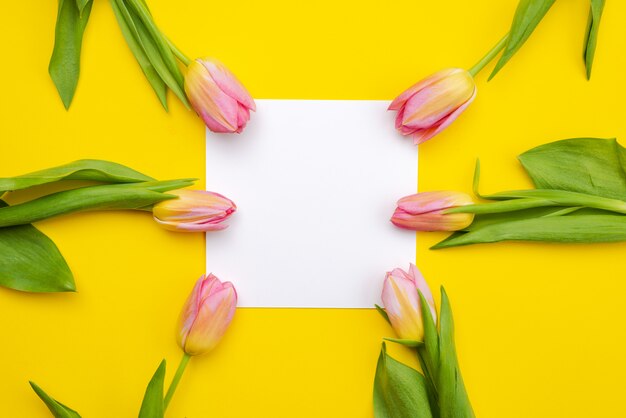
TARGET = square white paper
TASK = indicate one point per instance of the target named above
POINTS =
(315, 182)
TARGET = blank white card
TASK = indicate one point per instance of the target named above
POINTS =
(315, 183)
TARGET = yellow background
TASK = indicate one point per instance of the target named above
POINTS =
(540, 327)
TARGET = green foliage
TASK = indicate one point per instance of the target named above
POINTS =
(591, 34)
(64, 67)
(399, 391)
(152, 405)
(527, 16)
(57, 409)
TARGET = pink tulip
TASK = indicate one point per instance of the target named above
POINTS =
(426, 211)
(206, 315)
(217, 96)
(402, 303)
(194, 211)
(429, 106)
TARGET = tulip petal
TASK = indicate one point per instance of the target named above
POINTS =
(434, 102)
(422, 286)
(424, 135)
(424, 202)
(399, 101)
(229, 83)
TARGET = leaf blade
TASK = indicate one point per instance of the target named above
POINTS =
(64, 67)
(584, 165)
(591, 34)
(527, 16)
(31, 262)
(152, 404)
(90, 170)
(399, 391)
(57, 409)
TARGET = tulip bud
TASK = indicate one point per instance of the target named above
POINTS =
(426, 211)
(206, 315)
(429, 106)
(402, 302)
(217, 96)
(194, 211)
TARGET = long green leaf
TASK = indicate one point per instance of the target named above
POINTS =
(585, 165)
(91, 170)
(591, 34)
(153, 36)
(105, 197)
(453, 399)
(575, 229)
(133, 40)
(399, 391)
(58, 409)
(152, 405)
(64, 65)
(527, 16)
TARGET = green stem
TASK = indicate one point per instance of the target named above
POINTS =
(176, 380)
(489, 56)
(179, 54)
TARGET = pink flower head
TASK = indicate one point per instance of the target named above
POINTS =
(426, 211)
(402, 303)
(194, 211)
(217, 96)
(206, 315)
(428, 107)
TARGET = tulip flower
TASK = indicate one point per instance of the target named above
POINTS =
(206, 315)
(429, 106)
(402, 302)
(427, 211)
(217, 96)
(193, 211)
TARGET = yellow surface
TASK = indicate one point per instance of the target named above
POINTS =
(540, 327)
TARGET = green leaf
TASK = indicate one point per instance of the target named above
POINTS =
(90, 170)
(64, 65)
(571, 228)
(527, 16)
(58, 409)
(585, 165)
(453, 399)
(404, 342)
(103, 197)
(81, 5)
(383, 313)
(152, 405)
(158, 50)
(129, 30)
(399, 391)
(31, 262)
(591, 34)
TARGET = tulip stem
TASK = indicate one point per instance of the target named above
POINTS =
(489, 56)
(178, 53)
(179, 373)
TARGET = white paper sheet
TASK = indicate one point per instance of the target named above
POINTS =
(315, 182)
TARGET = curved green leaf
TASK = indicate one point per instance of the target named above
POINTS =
(527, 16)
(570, 228)
(591, 34)
(31, 262)
(103, 197)
(64, 65)
(58, 409)
(584, 165)
(129, 30)
(152, 405)
(90, 170)
(453, 399)
(399, 391)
